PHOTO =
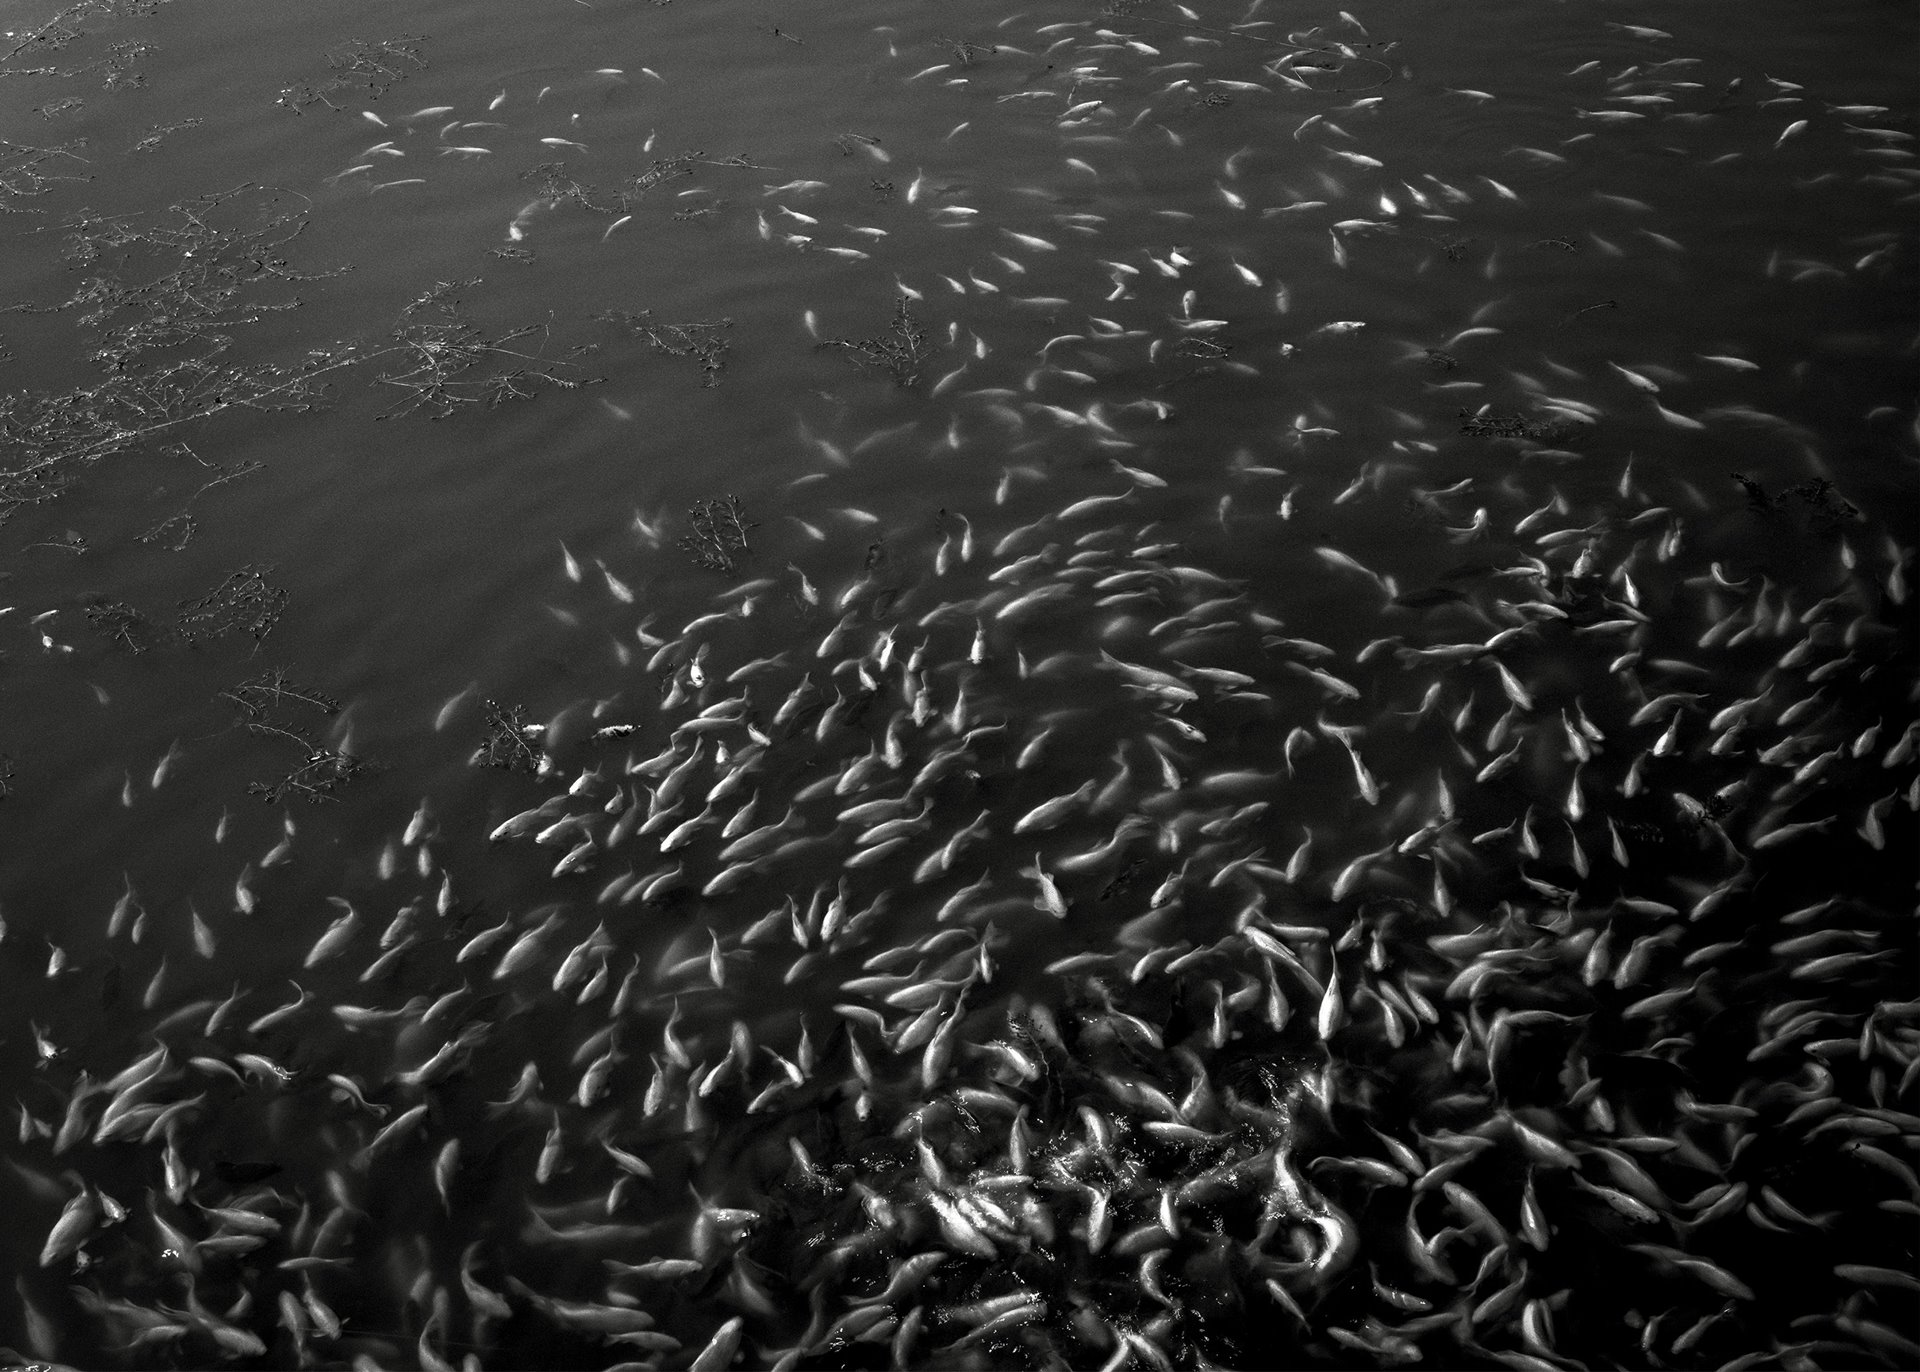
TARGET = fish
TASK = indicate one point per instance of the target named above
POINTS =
(1049, 899)
(1134, 710)
(1052, 813)
(333, 941)
(1162, 686)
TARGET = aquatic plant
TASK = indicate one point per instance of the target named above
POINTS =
(901, 352)
(245, 600)
(372, 66)
(268, 705)
(118, 622)
(259, 694)
(718, 537)
(322, 770)
(1495, 423)
(165, 299)
(558, 186)
(511, 744)
(964, 51)
(27, 170)
(164, 302)
(67, 25)
(445, 354)
(702, 340)
(159, 133)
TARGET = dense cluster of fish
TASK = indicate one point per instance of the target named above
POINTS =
(1517, 968)
(1451, 1068)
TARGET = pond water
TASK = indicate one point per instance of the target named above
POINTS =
(1037, 685)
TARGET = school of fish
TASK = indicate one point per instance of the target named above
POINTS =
(1518, 970)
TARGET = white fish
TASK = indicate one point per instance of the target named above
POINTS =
(204, 942)
(1635, 379)
(617, 588)
(445, 714)
(1369, 789)
(165, 766)
(1049, 899)
(82, 1215)
(336, 937)
(1027, 240)
(721, 1349)
(1679, 421)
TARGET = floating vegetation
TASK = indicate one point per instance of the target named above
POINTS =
(558, 187)
(159, 133)
(118, 622)
(966, 52)
(704, 341)
(719, 535)
(371, 66)
(244, 601)
(1827, 509)
(1204, 349)
(1494, 423)
(172, 533)
(451, 362)
(67, 25)
(67, 541)
(258, 695)
(117, 67)
(901, 353)
(322, 771)
(31, 171)
(204, 279)
(511, 744)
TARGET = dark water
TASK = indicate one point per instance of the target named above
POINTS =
(1501, 434)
